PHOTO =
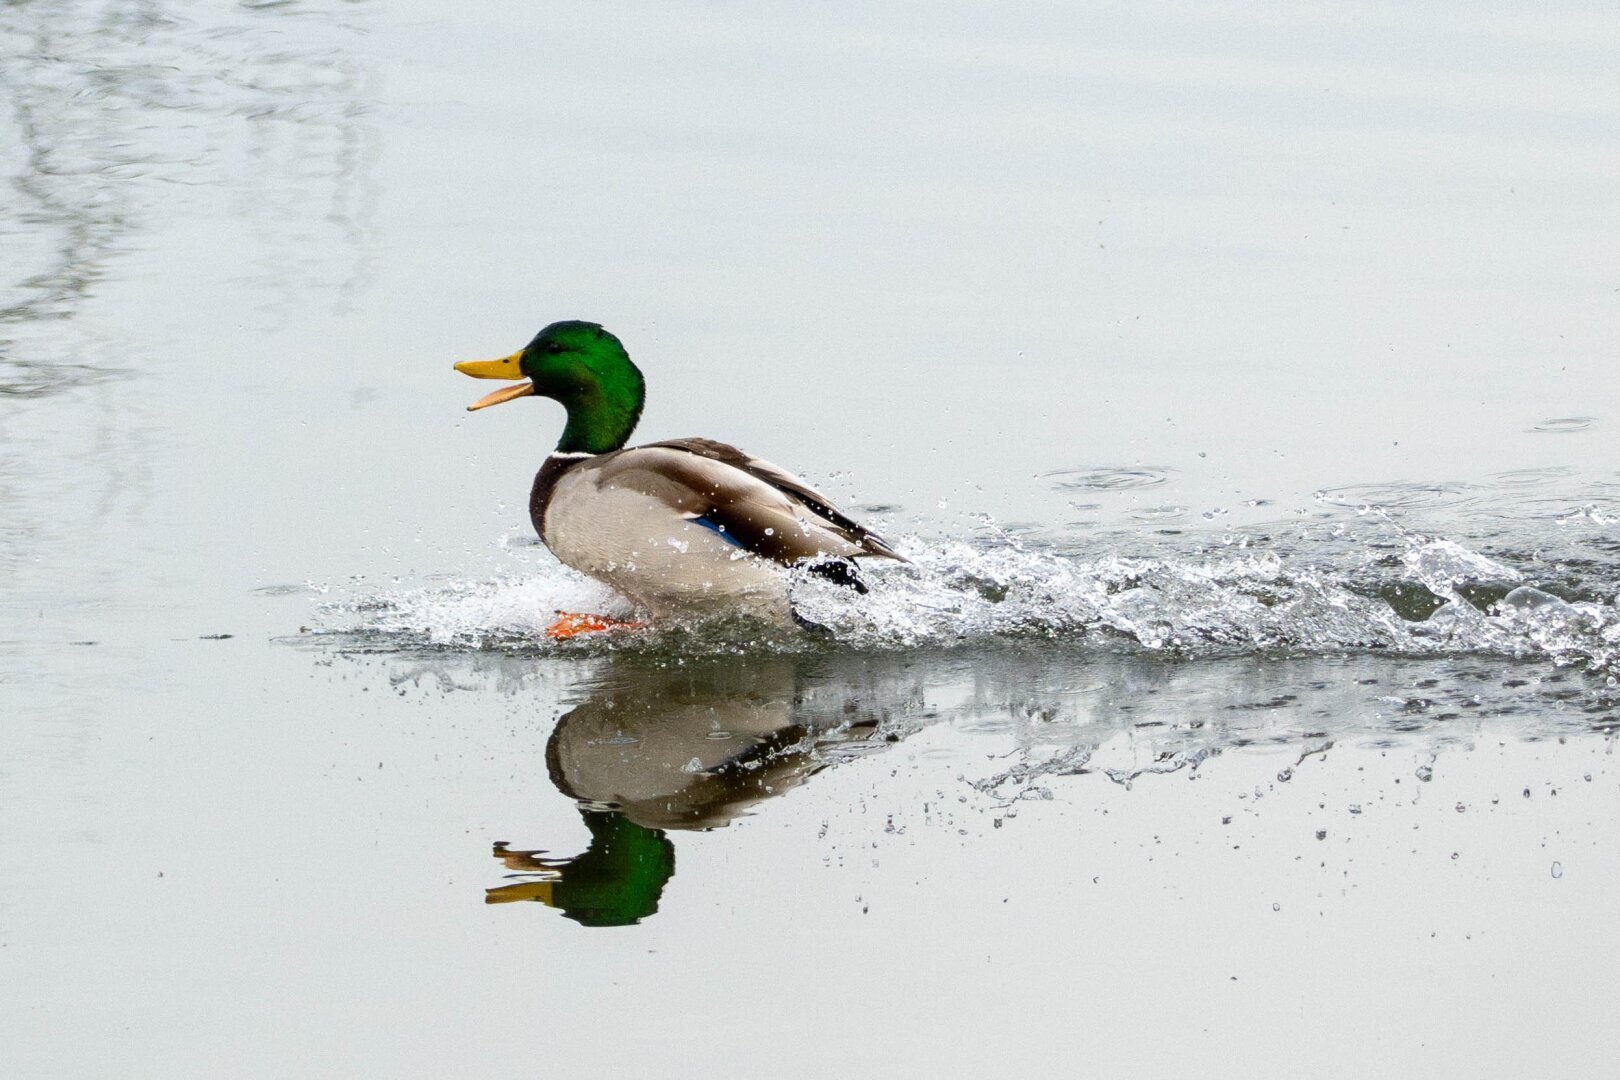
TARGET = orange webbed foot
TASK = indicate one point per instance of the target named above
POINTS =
(570, 624)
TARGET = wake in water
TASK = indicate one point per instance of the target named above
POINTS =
(1320, 592)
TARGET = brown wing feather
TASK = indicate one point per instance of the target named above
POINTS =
(742, 507)
(869, 542)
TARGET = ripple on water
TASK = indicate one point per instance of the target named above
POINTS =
(1110, 478)
(1404, 495)
(1562, 425)
(1595, 506)
(1517, 479)
(1155, 514)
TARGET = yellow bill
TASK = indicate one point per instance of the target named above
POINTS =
(505, 368)
(526, 890)
(505, 393)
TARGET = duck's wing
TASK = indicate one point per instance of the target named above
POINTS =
(752, 503)
(794, 488)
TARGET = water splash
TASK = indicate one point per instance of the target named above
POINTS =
(486, 613)
(1410, 595)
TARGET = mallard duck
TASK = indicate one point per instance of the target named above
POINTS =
(682, 526)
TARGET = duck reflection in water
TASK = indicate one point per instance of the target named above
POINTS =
(664, 745)
(689, 745)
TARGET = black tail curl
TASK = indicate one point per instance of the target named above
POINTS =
(839, 572)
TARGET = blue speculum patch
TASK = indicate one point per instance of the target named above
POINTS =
(715, 527)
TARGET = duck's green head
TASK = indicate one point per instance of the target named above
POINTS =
(584, 367)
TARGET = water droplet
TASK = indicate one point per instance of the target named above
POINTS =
(1557, 869)
(1285, 776)
(1425, 773)
(1276, 907)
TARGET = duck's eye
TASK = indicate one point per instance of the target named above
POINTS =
(554, 346)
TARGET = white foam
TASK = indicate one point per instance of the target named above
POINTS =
(955, 593)
(479, 613)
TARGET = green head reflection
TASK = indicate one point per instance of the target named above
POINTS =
(616, 882)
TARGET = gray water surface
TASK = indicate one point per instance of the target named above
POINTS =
(1239, 382)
